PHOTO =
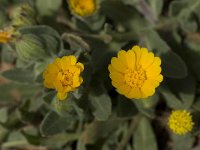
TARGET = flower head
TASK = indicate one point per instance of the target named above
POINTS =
(63, 75)
(180, 122)
(135, 73)
(5, 36)
(83, 7)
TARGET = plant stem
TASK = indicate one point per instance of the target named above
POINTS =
(127, 137)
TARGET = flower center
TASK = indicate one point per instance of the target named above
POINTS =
(135, 78)
(66, 77)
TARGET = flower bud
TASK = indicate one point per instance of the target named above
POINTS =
(30, 48)
(23, 15)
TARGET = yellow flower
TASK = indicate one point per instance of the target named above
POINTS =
(180, 122)
(83, 7)
(135, 73)
(63, 75)
(5, 36)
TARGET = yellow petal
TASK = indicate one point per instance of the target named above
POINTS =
(67, 89)
(147, 58)
(81, 66)
(61, 96)
(76, 82)
(69, 60)
(116, 84)
(138, 53)
(111, 68)
(58, 86)
(73, 70)
(157, 61)
(116, 77)
(116, 63)
(59, 63)
(152, 82)
(147, 89)
(159, 78)
(153, 71)
(73, 59)
(122, 57)
(136, 48)
(80, 80)
(51, 69)
(124, 89)
(134, 93)
(48, 84)
(49, 79)
(131, 59)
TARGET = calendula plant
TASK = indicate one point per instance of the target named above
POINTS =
(99, 74)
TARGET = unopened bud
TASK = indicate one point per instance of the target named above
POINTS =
(23, 15)
(30, 48)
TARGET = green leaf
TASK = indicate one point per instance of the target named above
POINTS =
(192, 52)
(184, 89)
(171, 100)
(101, 103)
(130, 2)
(146, 106)
(156, 6)
(196, 105)
(176, 7)
(183, 142)
(179, 94)
(67, 107)
(53, 123)
(50, 36)
(111, 10)
(179, 6)
(3, 115)
(195, 6)
(19, 75)
(102, 52)
(182, 11)
(92, 23)
(79, 92)
(99, 130)
(39, 30)
(143, 136)
(125, 107)
(15, 139)
(39, 67)
(49, 96)
(149, 102)
(3, 133)
(172, 64)
(7, 54)
(48, 7)
(59, 140)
